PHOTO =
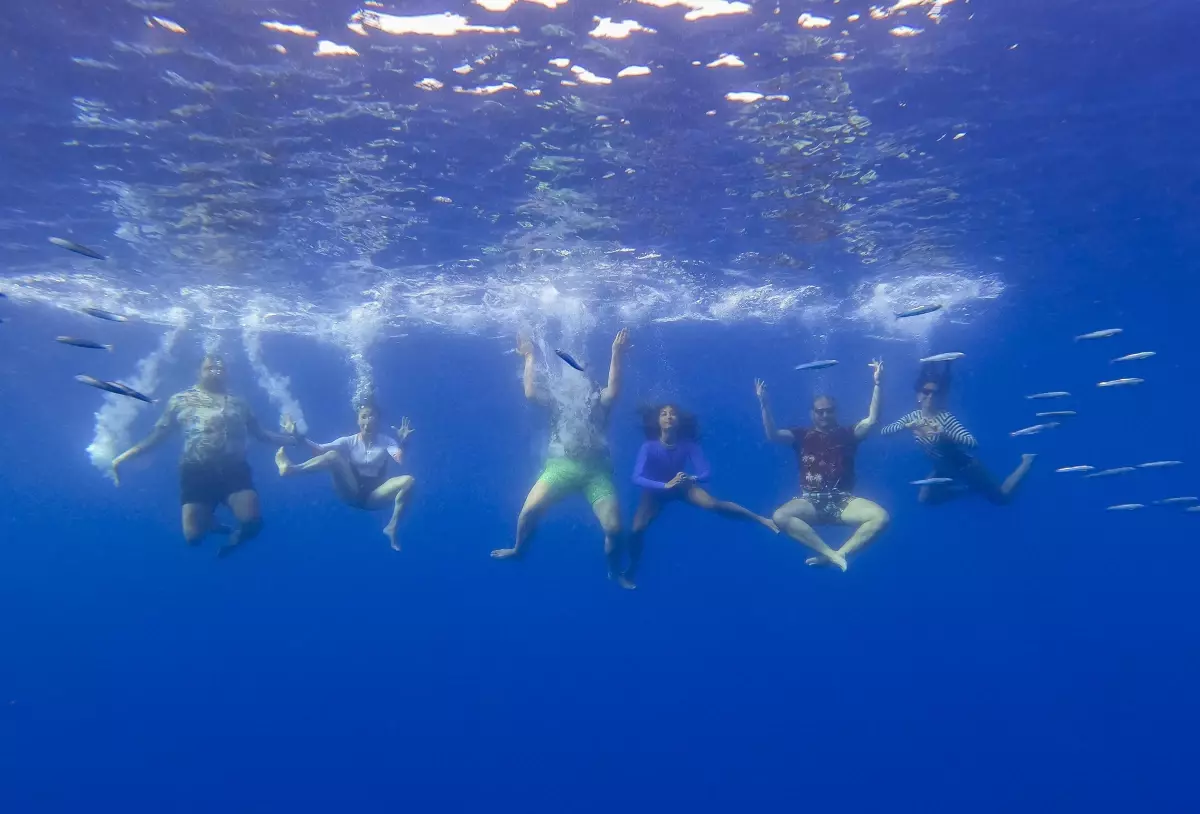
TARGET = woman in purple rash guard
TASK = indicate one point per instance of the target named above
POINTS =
(669, 467)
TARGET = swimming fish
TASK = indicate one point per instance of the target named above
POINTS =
(1192, 509)
(1133, 357)
(1159, 464)
(82, 343)
(1056, 414)
(920, 309)
(100, 313)
(1051, 394)
(569, 359)
(1105, 334)
(1119, 382)
(1172, 501)
(944, 357)
(1103, 473)
(72, 246)
(820, 364)
(113, 387)
(1035, 429)
(1083, 468)
(1126, 507)
(929, 481)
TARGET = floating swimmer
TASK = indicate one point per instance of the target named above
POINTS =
(1119, 382)
(1050, 394)
(1159, 464)
(72, 246)
(1081, 468)
(1104, 334)
(820, 364)
(943, 357)
(1133, 357)
(1035, 429)
(113, 387)
(1126, 507)
(569, 359)
(100, 313)
(1056, 414)
(919, 310)
(82, 343)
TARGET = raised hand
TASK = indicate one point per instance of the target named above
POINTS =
(760, 389)
(524, 346)
(877, 366)
(621, 341)
(404, 430)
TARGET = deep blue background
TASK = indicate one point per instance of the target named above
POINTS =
(976, 658)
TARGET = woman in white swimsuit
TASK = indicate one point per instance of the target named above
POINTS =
(358, 464)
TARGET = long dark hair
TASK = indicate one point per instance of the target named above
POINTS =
(936, 373)
(688, 429)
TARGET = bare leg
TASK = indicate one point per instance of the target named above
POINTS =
(394, 491)
(649, 505)
(197, 522)
(793, 519)
(608, 512)
(245, 508)
(698, 497)
(345, 482)
(870, 518)
(540, 497)
(1014, 480)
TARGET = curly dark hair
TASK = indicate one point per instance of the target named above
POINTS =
(688, 429)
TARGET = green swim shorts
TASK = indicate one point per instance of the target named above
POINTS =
(591, 477)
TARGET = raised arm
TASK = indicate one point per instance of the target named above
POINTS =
(525, 348)
(773, 433)
(288, 439)
(620, 344)
(402, 432)
(165, 425)
(639, 471)
(864, 427)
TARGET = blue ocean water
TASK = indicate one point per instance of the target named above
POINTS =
(1035, 656)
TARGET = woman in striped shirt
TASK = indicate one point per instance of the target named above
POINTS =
(948, 442)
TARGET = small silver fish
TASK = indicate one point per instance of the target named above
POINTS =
(1119, 382)
(82, 343)
(1126, 507)
(1056, 414)
(1105, 334)
(72, 246)
(1050, 394)
(919, 310)
(1082, 468)
(944, 357)
(820, 364)
(113, 387)
(569, 359)
(929, 481)
(100, 313)
(1104, 473)
(1192, 509)
(1173, 501)
(1133, 357)
(1035, 429)
(1159, 464)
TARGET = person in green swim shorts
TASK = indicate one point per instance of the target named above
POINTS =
(578, 460)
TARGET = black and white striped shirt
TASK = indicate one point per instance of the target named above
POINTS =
(949, 430)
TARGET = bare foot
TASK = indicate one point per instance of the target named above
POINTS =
(626, 582)
(389, 531)
(281, 461)
(505, 553)
(821, 560)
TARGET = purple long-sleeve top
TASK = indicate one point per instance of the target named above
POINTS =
(657, 463)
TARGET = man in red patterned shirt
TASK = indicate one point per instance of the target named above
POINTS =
(825, 452)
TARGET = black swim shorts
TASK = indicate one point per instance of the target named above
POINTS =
(210, 483)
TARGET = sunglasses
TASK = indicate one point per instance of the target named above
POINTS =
(824, 410)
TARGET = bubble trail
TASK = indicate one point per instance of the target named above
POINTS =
(118, 413)
(276, 386)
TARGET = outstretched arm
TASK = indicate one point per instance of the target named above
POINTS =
(402, 432)
(165, 425)
(773, 433)
(864, 427)
(620, 344)
(525, 348)
(290, 439)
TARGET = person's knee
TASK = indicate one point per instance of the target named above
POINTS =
(193, 533)
(611, 526)
(882, 519)
(780, 517)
